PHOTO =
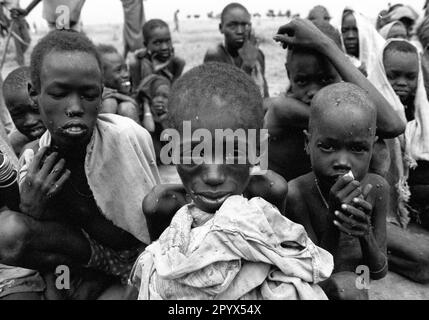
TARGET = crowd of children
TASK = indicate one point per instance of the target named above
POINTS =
(348, 163)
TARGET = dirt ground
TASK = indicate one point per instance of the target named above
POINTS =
(191, 43)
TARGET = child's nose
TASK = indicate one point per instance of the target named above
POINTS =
(343, 161)
(213, 175)
(74, 107)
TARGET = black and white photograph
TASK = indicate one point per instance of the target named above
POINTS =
(208, 151)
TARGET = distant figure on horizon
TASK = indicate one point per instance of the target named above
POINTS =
(176, 20)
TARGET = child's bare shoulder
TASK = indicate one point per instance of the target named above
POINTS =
(271, 186)
(298, 193)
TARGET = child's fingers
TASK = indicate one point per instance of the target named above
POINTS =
(363, 204)
(366, 190)
(35, 164)
(54, 174)
(348, 231)
(351, 190)
(341, 183)
(284, 39)
(355, 213)
(49, 162)
(58, 186)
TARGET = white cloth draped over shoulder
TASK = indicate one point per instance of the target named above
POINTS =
(370, 41)
(414, 144)
(121, 169)
(246, 250)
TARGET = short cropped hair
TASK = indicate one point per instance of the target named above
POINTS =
(341, 96)
(59, 40)
(106, 49)
(231, 6)
(17, 80)
(400, 46)
(151, 25)
(190, 95)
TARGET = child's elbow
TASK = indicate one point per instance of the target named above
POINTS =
(395, 129)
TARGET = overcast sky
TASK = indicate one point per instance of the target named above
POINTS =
(110, 11)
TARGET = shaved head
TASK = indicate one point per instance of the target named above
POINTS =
(342, 100)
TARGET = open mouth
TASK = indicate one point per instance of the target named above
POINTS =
(75, 129)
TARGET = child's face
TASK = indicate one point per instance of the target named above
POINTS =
(350, 34)
(402, 71)
(25, 115)
(160, 100)
(340, 142)
(319, 15)
(398, 31)
(116, 75)
(210, 184)
(236, 27)
(70, 96)
(308, 73)
(159, 44)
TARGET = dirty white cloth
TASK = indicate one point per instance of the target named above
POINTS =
(414, 144)
(246, 250)
(121, 169)
(370, 41)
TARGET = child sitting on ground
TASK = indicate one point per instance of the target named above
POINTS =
(223, 245)
(239, 47)
(342, 206)
(154, 91)
(78, 207)
(22, 109)
(117, 85)
(398, 75)
(157, 57)
(314, 60)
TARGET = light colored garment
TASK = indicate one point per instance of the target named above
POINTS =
(370, 41)
(246, 250)
(50, 7)
(414, 144)
(121, 169)
(384, 32)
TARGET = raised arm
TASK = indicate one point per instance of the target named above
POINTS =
(303, 33)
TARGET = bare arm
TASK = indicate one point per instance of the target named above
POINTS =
(109, 105)
(284, 112)
(374, 247)
(303, 33)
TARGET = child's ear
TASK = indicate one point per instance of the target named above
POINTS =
(33, 94)
(375, 141)
(287, 70)
(307, 142)
(220, 28)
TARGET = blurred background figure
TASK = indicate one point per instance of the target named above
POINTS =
(319, 14)
(134, 18)
(176, 20)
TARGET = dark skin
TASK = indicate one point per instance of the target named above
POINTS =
(240, 42)
(24, 114)
(322, 64)
(116, 76)
(344, 206)
(350, 35)
(69, 100)
(402, 70)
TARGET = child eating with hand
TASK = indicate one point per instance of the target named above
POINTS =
(342, 206)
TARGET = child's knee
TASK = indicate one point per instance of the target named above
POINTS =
(13, 234)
